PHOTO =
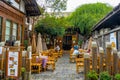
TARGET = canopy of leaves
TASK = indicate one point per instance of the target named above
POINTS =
(86, 16)
(52, 26)
(56, 5)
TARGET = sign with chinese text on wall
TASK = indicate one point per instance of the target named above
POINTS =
(12, 64)
(113, 40)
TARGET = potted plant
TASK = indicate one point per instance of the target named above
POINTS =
(23, 73)
(117, 77)
(105, 76)
(26, 44)
(92, 75)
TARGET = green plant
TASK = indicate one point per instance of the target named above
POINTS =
(87, 15)
(92, 75)
(23, 70)
(80, 42)
(117, 77)
(26, 43)
(105, 76)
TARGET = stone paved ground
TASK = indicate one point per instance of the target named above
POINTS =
(64, 71)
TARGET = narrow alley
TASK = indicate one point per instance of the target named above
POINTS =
(64, 71)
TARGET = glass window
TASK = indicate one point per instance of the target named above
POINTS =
(0, 28)
(14, 31)
(7, 33)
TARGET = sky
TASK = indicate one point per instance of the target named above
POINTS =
(73, 4)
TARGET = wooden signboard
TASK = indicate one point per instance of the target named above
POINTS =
(12, 64)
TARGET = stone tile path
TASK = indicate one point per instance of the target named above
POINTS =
(64, 71)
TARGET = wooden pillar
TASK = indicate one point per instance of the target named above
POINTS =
(3, 28)
(108, 57)
(94, 56)
(118, 62)
(86, 65)
(115, 62)
(1, 63)
(23, 31)
(28, 63)
(101, 51)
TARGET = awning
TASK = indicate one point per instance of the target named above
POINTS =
(32, 8)
(110, 21)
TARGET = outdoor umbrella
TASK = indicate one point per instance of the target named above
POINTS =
(44, 45)
(39, 44)
(90, 43)
(33, 44)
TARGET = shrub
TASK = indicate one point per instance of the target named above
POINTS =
(105, 76)
(26, 44)
(92, 75)
(117, 77)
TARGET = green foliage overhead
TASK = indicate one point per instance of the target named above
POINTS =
(86, 16)
(56, 5)
(52, 26)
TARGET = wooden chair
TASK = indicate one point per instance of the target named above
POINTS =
(35, 66)
(60, 53)
(55, 56)
(72, 57)
(50, 62)
(79, 64)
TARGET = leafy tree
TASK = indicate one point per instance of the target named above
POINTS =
(52, 26)
(86, 16)
(56, 5)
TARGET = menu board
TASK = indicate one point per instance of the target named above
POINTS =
(12, 64)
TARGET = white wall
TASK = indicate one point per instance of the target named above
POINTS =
(22, 6)
(15, 4)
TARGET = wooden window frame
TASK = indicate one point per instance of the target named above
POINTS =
(18, 1)
(1, 28)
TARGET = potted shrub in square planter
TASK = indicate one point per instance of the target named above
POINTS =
(92, 75)
(117, 77)
(105, 76)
